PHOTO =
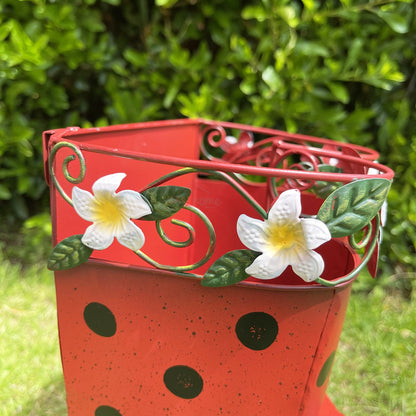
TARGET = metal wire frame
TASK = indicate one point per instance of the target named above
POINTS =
(246, 161)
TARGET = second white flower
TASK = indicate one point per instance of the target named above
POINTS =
(284, 239)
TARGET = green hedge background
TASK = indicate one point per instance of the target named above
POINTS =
(344, 69)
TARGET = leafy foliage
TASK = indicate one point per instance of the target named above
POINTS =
(339, 69)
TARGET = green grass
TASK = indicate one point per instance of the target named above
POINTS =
(30, 370)
(374, 372)
(375, 369)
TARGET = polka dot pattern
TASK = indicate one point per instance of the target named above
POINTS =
(100, 319)
(257, 330)
(183, 381)
(154, 344)
(325, 370)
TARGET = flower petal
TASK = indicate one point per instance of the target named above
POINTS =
(131, 236)
(97, 237)
(286, 208)
(267, 267)
(83, 203)
(133, 204)
(309, 265)
(251, 232)
(315, 232)
(108, 183)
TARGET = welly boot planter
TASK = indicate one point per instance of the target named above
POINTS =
(205, 268)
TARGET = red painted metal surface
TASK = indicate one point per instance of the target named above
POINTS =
(163, 321)
(136, 340)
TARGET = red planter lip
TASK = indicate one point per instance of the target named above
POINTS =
(365, 153)
(367, 156)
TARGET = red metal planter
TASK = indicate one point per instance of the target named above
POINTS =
(139, 334)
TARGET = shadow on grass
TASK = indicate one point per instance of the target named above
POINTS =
(51, 401)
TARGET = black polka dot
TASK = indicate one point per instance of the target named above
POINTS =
(325, 370)
(257, 330)
(107, 411)
(100, 319)
(183, 381)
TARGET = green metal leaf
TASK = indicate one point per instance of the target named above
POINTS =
(165, 201)
(350, 208)
(69, 253)
(229, 269)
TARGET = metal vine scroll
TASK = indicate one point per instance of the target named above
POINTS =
(279, 237)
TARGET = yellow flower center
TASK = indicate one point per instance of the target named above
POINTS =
(108, 211)
(284, 236)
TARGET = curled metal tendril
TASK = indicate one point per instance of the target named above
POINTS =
(372, 244)
(308, 163)
(263, 157)
(358, 245)
(177, 244)
(74, 180)
(185, 171)
(208, 254)
(215, 137)
(227, 177)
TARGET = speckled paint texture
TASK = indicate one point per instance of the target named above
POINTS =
(146, 342)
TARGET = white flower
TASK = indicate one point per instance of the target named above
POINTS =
(110, 213)
(284, 239)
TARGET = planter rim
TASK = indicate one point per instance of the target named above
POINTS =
(367, 153)
(365, 156)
